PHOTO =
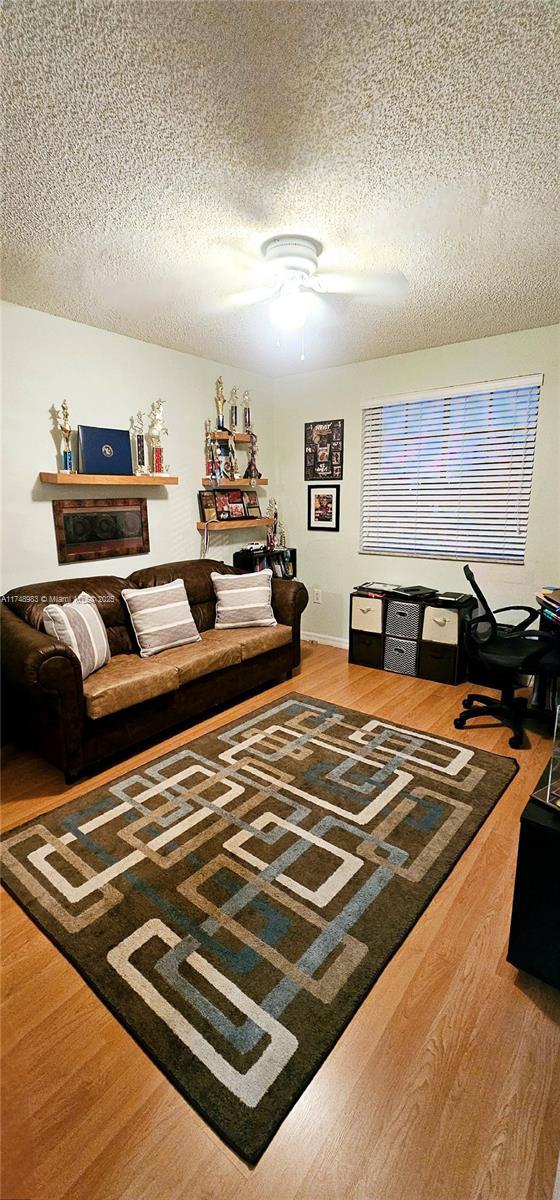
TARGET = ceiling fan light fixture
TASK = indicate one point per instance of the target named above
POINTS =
(288, 311)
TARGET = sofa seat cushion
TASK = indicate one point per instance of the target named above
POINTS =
(259, 641)
(217, 649)
(126, 680)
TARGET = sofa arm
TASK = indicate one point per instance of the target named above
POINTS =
(43, 677)
(289, 600)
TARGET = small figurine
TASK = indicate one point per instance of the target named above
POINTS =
(233, 402)
(208, 453)
(63, 417)
(155, 431)
(247, 426)
(253, 472)
(215, 472)
(282, 537)
(232, 458)
(137, 427)
(272, 533)
(220, 403)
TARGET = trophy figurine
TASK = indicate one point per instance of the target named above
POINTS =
(253, 472)
(230, 467)
(233, 402)
(63, 418)
(220, 403)
(140, 457)
(208, 451)
(246, 412)
(155, 431)
(271, 537)
(216, 470)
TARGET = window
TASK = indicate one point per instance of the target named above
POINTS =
(448, 474)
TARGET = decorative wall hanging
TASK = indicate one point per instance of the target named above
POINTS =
(323, 507)
(88, 530)
(324, 445)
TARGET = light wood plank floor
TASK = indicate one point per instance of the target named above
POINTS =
(445, 1085)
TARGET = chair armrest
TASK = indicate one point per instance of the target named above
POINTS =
(289, 599)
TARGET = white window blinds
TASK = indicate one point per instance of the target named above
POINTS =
(448, 474)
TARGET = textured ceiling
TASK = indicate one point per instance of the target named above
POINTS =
(151, 148)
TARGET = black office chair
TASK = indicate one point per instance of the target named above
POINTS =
(503, 653)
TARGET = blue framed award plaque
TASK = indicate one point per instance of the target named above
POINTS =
(104, 451)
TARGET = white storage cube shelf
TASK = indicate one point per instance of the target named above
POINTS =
(441, 625)
(367, 614)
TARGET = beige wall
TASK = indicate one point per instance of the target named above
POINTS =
(330, 561)
(105, 378)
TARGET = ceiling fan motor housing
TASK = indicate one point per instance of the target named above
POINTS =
(292, 255)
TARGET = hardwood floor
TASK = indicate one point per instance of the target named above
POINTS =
(445, 1085)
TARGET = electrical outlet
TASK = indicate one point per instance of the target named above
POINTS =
(317, 596)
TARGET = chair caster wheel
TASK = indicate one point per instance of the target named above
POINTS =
(516, 741)
(468, 703)
(459, 722)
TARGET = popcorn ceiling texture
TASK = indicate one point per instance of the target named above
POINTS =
(151, 147)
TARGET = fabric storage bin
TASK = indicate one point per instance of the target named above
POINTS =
(438, 661)
(441, 625)
(403, 619)
(367, 614)
(401, 655)
(366, 649)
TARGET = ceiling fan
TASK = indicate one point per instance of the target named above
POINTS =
(291, 264)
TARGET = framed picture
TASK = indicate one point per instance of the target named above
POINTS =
(207, 506)
(104, 451)
(323, 449)
(252, 506)
(222, 506)
(88, 530)
(323, 507)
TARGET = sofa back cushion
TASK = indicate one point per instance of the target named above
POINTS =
(196, 575)
(29, 601)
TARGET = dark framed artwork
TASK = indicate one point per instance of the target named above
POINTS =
(231, 505)
(323, 507)
(207, 505)
(323, 449)
(88, 530)
(252, 506)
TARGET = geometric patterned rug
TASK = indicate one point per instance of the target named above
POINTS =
(234, 901)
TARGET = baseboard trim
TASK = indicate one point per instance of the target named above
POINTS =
(325, 639)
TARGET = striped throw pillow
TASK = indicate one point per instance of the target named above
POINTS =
(243, 600)
(79, 625)
(161, 617)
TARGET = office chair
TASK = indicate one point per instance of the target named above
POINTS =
(504, 653)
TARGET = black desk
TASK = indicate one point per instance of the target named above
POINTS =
(534, 942)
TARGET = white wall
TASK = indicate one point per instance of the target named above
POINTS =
(330, 561)
(106, 378)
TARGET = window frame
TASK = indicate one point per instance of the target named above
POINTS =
(480, 387)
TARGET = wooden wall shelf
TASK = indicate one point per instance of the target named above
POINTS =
(233, 483)
(221, 435)
(250, 523)
(61, 478)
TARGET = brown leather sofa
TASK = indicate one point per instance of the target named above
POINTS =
(78, 723)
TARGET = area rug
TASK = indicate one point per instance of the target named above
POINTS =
(234, 901)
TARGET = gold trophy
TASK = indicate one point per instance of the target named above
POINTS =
(233, 403)
(247, 424)
(63, 417)
(220, 403)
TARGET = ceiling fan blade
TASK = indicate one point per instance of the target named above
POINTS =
(389, 287)
(238, 300)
